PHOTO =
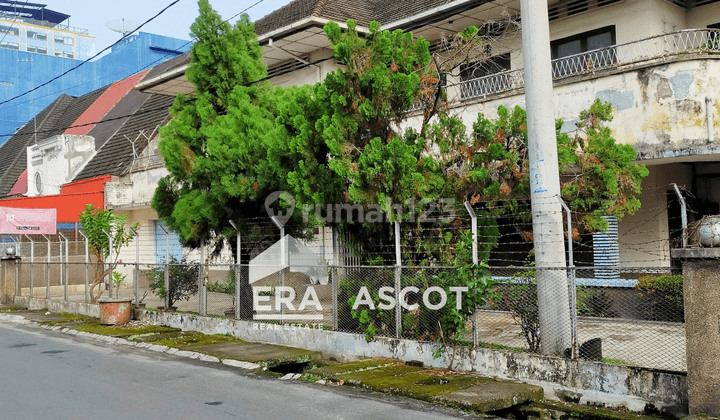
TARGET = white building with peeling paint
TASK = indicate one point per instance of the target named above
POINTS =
(656, 61)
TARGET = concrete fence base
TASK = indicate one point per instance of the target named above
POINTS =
(54, 305)
(578, 381)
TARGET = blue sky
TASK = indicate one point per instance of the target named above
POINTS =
(175, 22)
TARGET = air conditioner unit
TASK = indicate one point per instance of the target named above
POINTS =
(9, 251)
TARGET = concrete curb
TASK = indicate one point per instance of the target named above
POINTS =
(18, 319)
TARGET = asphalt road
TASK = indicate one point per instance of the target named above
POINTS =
(49, 375)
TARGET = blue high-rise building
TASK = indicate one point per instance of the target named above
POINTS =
(36, 46)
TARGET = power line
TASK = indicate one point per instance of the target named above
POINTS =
(112, 77)
(96, 55)
(243, 11)
(91, 123)
(91, 58)
(151, 110)
(140, 69)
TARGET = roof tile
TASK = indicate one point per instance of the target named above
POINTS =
(116, 154)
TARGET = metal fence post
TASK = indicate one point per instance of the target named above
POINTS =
(32, 263)
(47, 270)
(202, 304)
(60, 261)
(136, 271)
(167, 266)
(238, 238)
(87, 266)
(398, 273)
(17, 271)
(67, 261)
(335, 309)
(683, 215)
(471, 212)
(110, 267)
(284, 263)
(572, 288)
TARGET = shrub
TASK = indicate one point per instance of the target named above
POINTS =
(596, 303)
(227, 287)
(520, 299)
(368, 321)
(663, 296)
(183, 280)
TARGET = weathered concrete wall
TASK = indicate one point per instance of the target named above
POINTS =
(624, 16)
(146, 230)
(562, 379)
(54, 305)
(659, 110)
(702, 16)
(645, 237)
(308, 75)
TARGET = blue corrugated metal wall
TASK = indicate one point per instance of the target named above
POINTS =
(176, 249)
(606, 251)
(21, 71)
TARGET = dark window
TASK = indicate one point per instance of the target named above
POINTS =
(577, 6)
(480, 85)
(586, 41)
(478, 69)
(714, 36)
(599, 41)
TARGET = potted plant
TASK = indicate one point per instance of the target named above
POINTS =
(99, 225)
(116, 310)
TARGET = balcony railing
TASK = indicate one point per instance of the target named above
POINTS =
(692, 41)
(44, 23)
(144, 163)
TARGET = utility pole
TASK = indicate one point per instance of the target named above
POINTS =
(553, 307)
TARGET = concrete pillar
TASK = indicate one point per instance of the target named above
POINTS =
(701, 289)
(548, 233)
(7, 281)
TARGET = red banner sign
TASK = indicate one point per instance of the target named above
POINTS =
(28, 221)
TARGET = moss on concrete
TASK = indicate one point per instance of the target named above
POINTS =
(185, 339)
(266, 355)
(501, 347)
(434, 385)
(546, 410)
(494, 395)
(69, 320)
(122, 331)
(333, 369)
(412, 381)
(11, 308)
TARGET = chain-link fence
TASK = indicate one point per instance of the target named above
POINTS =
(627, 316)
(635, 319)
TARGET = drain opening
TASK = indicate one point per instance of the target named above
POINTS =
(289, 367)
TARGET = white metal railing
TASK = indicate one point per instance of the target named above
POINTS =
(144, 163)
(44, 23)
(683, 42)
(492, 84)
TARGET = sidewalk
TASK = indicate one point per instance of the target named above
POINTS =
(465, 391)
(462, 390)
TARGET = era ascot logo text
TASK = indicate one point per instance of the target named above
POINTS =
(285, 296)
(288, 254)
